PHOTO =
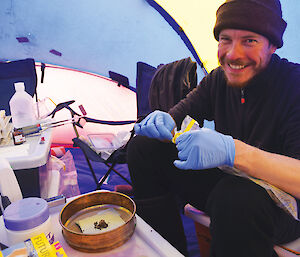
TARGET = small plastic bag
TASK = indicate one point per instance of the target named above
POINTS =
(68, 185)
(64, 176)
(42, 108)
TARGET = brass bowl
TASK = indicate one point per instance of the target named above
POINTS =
(104, 241)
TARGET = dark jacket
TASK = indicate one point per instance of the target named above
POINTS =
(172, 82)
(270, 117)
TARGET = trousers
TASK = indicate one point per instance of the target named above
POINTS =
(245, 221)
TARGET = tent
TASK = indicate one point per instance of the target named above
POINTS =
(81, 41)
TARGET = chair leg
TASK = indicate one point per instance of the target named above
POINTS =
(100, 183)
(111, 168)
(91, 167)
(204, 239)
(108, 165)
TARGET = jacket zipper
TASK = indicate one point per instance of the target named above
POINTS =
(242, 96)
(243, 100)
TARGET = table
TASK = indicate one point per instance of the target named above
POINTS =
(145, 241)
(27, 161)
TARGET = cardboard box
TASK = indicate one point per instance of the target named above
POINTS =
(37, 246)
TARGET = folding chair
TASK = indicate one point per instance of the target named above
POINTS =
(89, 153)
(144, 76)
(16, 71)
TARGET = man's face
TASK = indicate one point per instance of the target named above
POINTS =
(242, 55)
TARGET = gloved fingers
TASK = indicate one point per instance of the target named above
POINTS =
(139, 127)
(151, 131)
(147, 127)
(184, 152)
(164, 127)
(180, 164)
(204, 149)
(188, 164)
(185, 140)
(182, 137)
(157, 124)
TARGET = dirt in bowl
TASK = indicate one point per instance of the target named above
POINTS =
(98, 219)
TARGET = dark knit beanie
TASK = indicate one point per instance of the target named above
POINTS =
(260, 16)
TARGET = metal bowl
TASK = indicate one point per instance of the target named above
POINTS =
(104, 241)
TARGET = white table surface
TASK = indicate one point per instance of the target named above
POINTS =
(30, 154)
(145, 241)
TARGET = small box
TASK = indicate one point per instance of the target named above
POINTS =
(104, 141)
(35, 246)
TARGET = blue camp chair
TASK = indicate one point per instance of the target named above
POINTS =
(16, 71)
(145, 73)
(89, 153)
(10, 73)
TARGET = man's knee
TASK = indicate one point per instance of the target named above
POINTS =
(236, 196)
(149, 148)
(140, 144)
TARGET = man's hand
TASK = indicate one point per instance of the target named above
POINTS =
(157, 125)
(204, 149)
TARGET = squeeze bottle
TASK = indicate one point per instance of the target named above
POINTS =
(21, 107)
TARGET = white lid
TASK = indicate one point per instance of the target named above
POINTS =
(19, 86)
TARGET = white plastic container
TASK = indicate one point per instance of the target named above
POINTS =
(21, 107)
(9, 185)
(26, 218)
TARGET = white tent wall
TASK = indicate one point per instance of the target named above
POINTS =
(101, 98)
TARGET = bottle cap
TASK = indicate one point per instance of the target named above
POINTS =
(26, 213)
(19, 86)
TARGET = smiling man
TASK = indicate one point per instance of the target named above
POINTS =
(254, 99)
(243, 55)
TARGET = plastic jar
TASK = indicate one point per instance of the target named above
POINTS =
(26, 218)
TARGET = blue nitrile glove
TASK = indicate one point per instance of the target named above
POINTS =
(204, 149)
(157, 124)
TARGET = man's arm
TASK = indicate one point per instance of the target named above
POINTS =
(205, 148)
(278, 170)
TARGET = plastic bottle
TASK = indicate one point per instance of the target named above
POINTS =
(21, 107)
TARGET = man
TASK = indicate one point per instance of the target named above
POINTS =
(254, 100)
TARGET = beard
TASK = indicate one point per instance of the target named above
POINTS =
(237, 80)
(236, 84)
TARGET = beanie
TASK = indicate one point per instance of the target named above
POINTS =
(263, 17)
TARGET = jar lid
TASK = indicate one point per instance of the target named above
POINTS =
(26, 214)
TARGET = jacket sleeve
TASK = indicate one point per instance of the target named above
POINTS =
(290, 123)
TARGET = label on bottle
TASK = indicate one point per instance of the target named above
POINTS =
(18, 137)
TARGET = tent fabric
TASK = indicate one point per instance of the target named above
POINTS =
(105, 36)
(179, 30)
